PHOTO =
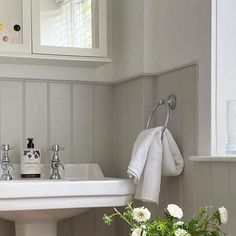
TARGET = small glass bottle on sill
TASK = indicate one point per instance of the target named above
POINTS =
(231, 128)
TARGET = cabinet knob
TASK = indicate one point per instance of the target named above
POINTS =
(17, 28)
(1, 26)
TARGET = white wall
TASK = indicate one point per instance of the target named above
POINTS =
(225, 66)
(166, 34)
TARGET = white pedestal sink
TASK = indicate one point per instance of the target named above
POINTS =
(37, 205)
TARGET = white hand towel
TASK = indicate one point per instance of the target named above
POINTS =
(151, 158)
(140, 151)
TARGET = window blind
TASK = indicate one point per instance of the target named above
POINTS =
(70, 23)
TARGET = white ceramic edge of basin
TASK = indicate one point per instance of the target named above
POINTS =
(63, 203)
(32, 195)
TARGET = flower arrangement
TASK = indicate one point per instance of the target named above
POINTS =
(206, 223)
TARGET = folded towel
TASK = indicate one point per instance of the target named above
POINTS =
(153, 156)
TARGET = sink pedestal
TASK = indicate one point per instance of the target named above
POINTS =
(36, 229)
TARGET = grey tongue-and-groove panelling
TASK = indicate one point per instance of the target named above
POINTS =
(74, 115)
(77, 116)
(133, 102)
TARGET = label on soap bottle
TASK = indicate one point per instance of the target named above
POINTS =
(31, 164)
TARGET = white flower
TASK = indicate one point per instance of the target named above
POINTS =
(179, 223)
(139, 232)
(223, 215)
(141, 214)
(181, 232)
(143, 227)
(175, 211)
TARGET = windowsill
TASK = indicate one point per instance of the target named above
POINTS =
(213, 158)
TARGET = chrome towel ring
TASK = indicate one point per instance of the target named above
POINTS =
(170, 103)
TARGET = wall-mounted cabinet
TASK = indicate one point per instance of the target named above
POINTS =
(56, 30)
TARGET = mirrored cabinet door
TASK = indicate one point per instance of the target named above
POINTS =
(69, 27)
(15, 26)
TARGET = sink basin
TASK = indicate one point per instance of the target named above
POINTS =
(37, 205)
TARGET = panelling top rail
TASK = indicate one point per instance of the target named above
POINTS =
(170, 103)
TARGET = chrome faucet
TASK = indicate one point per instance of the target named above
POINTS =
(56, 164)
(6, 165)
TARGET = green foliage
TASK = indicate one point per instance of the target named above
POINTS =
(206, 223)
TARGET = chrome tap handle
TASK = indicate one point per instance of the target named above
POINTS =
(11, 167)
(6, 165)
(56, 164)
(6, 176)
(6, 171)
(56, 148)
(7, 147)
(61, 166)
(55, 172)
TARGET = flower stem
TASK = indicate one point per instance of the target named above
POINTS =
(122, 217)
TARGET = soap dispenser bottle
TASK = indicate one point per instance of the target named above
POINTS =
(30, 161)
